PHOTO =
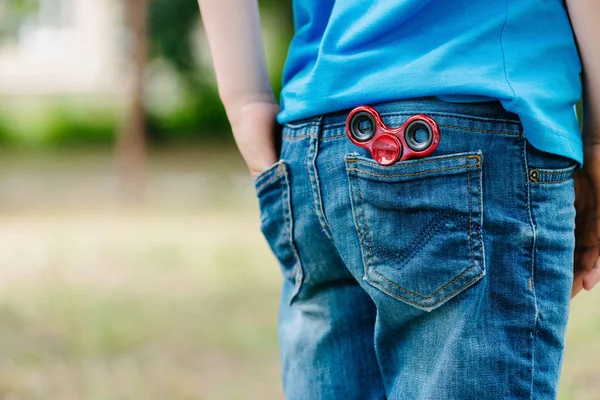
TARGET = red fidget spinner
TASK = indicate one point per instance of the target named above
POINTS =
(419, 136)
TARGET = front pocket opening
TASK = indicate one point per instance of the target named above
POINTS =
(269, 175)
(277, 225)
(549, 176)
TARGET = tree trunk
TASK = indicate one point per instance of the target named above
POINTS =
(131, 141)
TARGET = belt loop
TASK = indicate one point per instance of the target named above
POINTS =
(318, 121)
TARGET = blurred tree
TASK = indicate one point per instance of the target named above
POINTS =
(131, 142)
(172, 24)
(282, 8)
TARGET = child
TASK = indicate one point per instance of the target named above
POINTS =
(445, 276)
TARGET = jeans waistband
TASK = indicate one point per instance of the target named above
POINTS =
(487, 117)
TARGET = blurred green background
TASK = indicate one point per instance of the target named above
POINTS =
(131, 263)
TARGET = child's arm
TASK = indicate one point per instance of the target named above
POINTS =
(234, 36)
(585, 18)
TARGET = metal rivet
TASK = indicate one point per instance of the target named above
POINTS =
(534, 175)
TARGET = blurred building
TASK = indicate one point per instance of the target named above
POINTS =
(66, 47)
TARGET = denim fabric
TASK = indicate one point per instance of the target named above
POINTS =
(444, 277)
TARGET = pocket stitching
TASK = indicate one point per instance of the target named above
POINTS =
(434, 293)
(449, 295)
(409, 255)
(272, 179)
(368, 162)
(552, 182)
(471, 216)
(365, 236)
(412, 174)
(554, 172)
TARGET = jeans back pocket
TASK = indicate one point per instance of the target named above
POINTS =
(276, 222)
(419, 224)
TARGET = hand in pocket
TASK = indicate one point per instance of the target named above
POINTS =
(587, 222)
(256, 135)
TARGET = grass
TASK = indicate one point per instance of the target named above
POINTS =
(175, 300)
(113, 307)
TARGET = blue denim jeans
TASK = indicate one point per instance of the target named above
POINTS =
(444, 277)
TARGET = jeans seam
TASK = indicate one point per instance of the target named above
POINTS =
(532, 264)
(324, 139)
(298, 137)
(481, 210)
(292, 125)
(360, 221)
(289, 226)
(464, 128)
(311, 162)
(470, 216)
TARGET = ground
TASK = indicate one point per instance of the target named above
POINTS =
(173, 299)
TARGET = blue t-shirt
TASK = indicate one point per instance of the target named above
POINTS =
(347, 53)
